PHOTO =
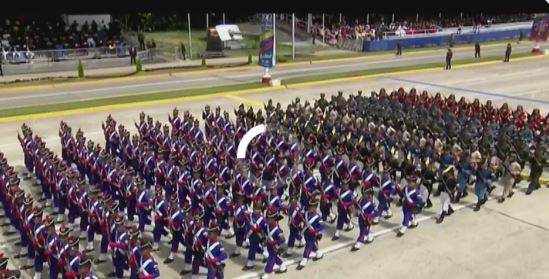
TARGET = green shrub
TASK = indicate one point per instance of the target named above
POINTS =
(80, 69)
(281, 58)
(138, 65)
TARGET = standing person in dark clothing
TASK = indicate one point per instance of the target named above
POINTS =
(399, 48)
(133, 54)
(507, 53)
(183, 51)
(477, 50)
(141, 39)
(1, 69)
(449, 55)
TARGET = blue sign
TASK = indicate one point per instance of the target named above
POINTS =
(266, 50)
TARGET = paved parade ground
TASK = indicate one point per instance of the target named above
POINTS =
(506, 240)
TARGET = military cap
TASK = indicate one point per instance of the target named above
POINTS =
(48, 221)
(74, 241)
(119, 220)
(37, 211)
(198, 214)
(28, 200)
(64, 230)
(214, 227)
(85, 261)
(146, 243)
(134, 231)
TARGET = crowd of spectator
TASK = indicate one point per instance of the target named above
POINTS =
(38, 33)
(380, 26)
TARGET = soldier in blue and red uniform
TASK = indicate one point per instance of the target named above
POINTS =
(52, 248)
(386, 191)
(72, 258)
(411, 205)
(160, 216)
(200, 239)
(295, 224)
(24, 225)
(256, 234)
(188, 237)
(241, 222)
(346, 198)
(144, 205)
(313, 230)
(134, 248)
(175, 224)
(120, 247)
(329, 196)
(85, 268)
(275, 243)
(223, 209)
(39, 241)
(64, 248)
(215, 255)
(366, 208)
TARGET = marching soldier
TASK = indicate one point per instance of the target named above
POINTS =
(312, 233)
(200, 239)
(85, 268)
(386, 191)
(72, 258)
(346, 200)
(275, 244)
(412, 204)
(175, 224)
(143, 205)
(366, 208)
(160, 217)
(448, 186)
(537, 163)
(511, 177)
(484, 178)
(120, 247)
(215, 254)
(149, 267)
(295, 225)
(256, 235)
(134, 248)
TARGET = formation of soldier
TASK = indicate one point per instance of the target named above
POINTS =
(330, 161)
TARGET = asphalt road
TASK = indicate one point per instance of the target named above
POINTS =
(60, 93)
(504, 239)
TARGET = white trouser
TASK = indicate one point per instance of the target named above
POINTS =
(445, 201)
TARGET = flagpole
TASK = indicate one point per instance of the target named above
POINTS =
(190, 37)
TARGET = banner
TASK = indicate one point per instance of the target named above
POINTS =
(266, 44)
(266, 50)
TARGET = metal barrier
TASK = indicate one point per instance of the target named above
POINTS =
(56, 55)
